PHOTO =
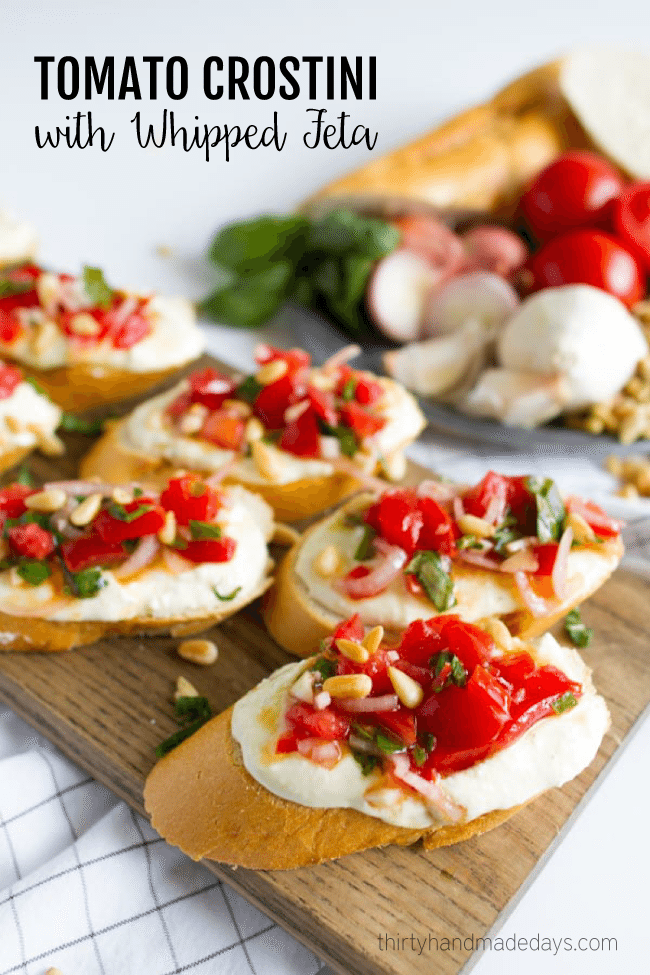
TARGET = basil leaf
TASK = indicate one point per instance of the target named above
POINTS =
(368, 763)
(349, 389)
(365, 549)
(427, 567)
(254, 244)
(564, 703)
(96, 288)
(326, 668)
(250, 300)
(388, 745)
(579, 634)
(87, 583)
(119, 511)
(24, 477)
(169, 744)
(503, 536)
(356, 271)
(76, 424)
(345, 436)
(458, 675)
(249, 390)
(341, 231)
(10, 288)
(34, 572)
(328, 279)
(364, 731)
(229, 597)
(550, 508)
(201, 530)
(419, 755)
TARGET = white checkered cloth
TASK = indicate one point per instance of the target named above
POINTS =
(87, 886)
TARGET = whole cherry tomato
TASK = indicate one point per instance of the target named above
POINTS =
(575, 190)
(589, 257)
(631, 220)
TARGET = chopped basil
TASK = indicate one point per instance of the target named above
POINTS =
(119, 511)
(349, 389)
(388, 745)
(34, 572)
(365, 548)
(137, 492)
(326, 668)
(419, 755)
(35, 384)
(201, 530)
(458, 675)
(179, 543)
(468, 541)
(505, 533)
(226, 599)
(429, 743)
(368, 763)
(564, 703)
(550, 508)
(87, 583)
(96, 288)
(364, 731)
(427, 568)
(352, 520)
(24, 477)
(345, 436)
(249, 390)
(76, 424)
(192, 713)
(579, 633)
(9, 288)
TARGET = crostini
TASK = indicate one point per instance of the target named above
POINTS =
(508, 547)
(82, 560)
(88, 343)
(28, 419)
(300, 436)
(441, 736)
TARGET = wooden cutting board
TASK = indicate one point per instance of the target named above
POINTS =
(108, 706)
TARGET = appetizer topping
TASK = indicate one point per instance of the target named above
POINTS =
(191, 710)
(444, 698)
(202, 652)
(579, 633)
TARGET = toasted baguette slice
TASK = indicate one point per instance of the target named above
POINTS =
(83, 386)
(167, 594)
(298, 620)
(148, 446)
(202, 798)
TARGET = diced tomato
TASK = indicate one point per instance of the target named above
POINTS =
(294, 358)
(516, 667)
(422, 639)
(351, 629)
(25, 273)
(545, 555)
(439, 532)
(490, 494)
(287, 742)
(91, 550)
(31, 541)
(10, 327)
(363, 423)
(210, 387)
(471, 645)
(301, 436)
(397, 518)
(66, 324)
(541, 689)
(210, 550)
(376, 667)
(133, 330)
(602, 524)
(224, 430)
(12, 499)
(328, 724)
(190, 499)
(359, 572)
(112, 529)
(10, 377)
(322, 404)
(367, 391)
(399, 723)
(272, 401)
(179, 405)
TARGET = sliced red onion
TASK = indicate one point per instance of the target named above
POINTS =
(533, 602)
(479, 559)
(363, 745)
(142, 556)
(437, 800)
(386, 567)
(341, 357)
(444, 494)
(174, 562)
(479, 296)
(124, 310)
(458, 508)
(522, 561)
(366, 705)
(326, 753)
(561, 564)
(496, 509)
(81, 487)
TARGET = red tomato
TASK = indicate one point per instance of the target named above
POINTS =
(322, 404)
(470, 644)
(489, 494)
(363, 424)
(190, 499)
(545, 555)
(368, 392)
(318, 724)
(66, 324)
(602, 524)
(575, 190)
(397, 518)
(351, 629)
(375, 667)
(272, 401)
(31, 541)
(294, 358)
(210, 550)
(10, 377)
(224, 430)
(133, 330)
(467, 717)
(89, 551)
(439, 533)
(422, 639)
(589, 257)
(399, 723)
(301, 436)
(210, 387)
(179, 405)
(631, 220)
(112, 529)
(12, 500)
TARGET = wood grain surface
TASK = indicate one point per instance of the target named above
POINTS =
(109, 705)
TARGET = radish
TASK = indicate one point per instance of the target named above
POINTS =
(496, 249)
(480, 296)
(397, 294)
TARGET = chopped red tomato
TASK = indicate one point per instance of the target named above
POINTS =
(190, 499)
(31, 541)
(351, 629)
(489, 496)
(319, 724)
(322, 404)
(179, 405)
(224, 430)
(112, 528)
(368, 392)
(10, 377)
(272, 401)
(89, 551)
(545, 555)
(602, 524)
(210, 550)
(133, 330)
(12, 500)
(301, 436)
(471, 645)
(397, 517)
(399, 723)
(66, 322)
(363, 423)
(439, 532)
(210, 387)
(376, 667)
(294, 358)
(287, 742)
(541, 688)
(422, 639)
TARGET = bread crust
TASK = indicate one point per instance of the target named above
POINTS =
(478, 160)
(295, 621)
(201, 799)
(9, 458)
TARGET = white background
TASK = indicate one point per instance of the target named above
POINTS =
(115, 209)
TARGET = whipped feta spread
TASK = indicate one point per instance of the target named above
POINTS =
(175, 338)
(18, 240)
(479, 593)
(23, 416)
(148, 431)
(159, 594)
(549, 754)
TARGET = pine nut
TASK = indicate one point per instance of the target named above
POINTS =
(238, 407)
(120, 495)
(85, 512)
(471, 525)
(167, 533)
(285, 535)
(54, 971)
(184, 688)
(192, 421)
(408, 690)
(353, 651)
(254, 430)
(271, 372)
(84, 324)
(47, 501)
(327, 562)
(48, 289)
(394, 466)
(266, 461)
(202, 652)
(582, 532)
(14, 424)
(326, 382)
(499, 632)
(372, 640)
(348, 685)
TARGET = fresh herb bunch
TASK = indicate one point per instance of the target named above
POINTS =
(321, 264)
